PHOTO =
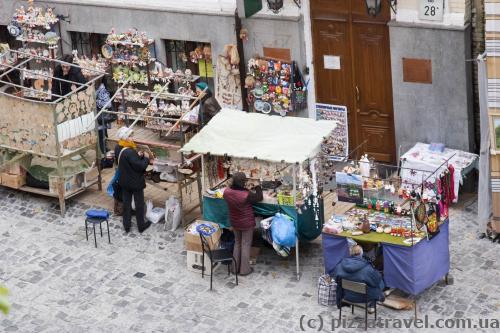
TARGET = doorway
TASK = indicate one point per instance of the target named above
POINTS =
(353, 68)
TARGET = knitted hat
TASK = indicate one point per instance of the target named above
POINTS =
(202, 86)
(124, 133)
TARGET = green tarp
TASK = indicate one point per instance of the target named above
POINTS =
(215, 210)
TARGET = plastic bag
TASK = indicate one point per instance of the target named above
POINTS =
(110, 190)
(154, 214)
(283, 230)
(173, 212)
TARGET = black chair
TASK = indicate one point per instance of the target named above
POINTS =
(94, 221)
(222, 256)
(359, 288)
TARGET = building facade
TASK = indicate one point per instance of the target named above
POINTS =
(404, 76)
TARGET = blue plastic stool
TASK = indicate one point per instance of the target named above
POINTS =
(96, 217)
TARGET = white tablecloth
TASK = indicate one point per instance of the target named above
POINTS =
(419, 163)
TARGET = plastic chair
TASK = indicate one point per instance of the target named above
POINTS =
(359, 288)
(223, 256)
(96, 217)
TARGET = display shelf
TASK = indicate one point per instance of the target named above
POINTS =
(130, 62)
(126, 43)
(39, 41)
(191, 78)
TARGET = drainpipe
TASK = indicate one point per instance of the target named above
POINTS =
(242, 67)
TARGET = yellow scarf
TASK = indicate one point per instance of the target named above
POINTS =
(127, 144)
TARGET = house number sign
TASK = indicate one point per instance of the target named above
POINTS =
(431, 10)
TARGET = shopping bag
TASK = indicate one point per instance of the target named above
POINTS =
(154, 214)
(173, 213)
(110, 189)
(283, 230)
(326, 290)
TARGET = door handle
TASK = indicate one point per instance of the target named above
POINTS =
(358, 97)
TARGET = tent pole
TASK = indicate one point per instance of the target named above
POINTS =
(202, 174)
(294, 194)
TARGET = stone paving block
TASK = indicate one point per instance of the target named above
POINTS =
(61, 282)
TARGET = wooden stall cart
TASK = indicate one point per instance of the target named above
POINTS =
(54, 131)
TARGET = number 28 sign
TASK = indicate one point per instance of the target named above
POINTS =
(431, 10)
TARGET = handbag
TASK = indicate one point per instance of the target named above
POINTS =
(114, 180)
(326, 290)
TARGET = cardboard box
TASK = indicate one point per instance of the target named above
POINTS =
(90, 176)
(193, 242)
(13, 181)
(194, 263)
(71, 183)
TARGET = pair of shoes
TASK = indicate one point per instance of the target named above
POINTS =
(146, 225)
(251, 271)
(371, 309)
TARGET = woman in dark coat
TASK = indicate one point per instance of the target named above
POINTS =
(131, 166)
(241, 215)
(68, 73)
(209, 106)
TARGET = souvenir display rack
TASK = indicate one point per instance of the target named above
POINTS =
(275, 86)
(35, 28)
(398, 210)
(53, 130)
(408, 221)
(90, 66)
(168, 165)
(131, 63)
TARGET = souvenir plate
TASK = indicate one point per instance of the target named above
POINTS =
(266, 108)
(413, 241)
(259, 105)
(107, 51)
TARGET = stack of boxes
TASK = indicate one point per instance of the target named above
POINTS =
(194, 250)
(14, 174)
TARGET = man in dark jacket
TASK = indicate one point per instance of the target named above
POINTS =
(241, 215)
(357, 269)
(68, 73)
(131, 166)
(209, 106)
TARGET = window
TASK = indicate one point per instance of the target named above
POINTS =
(179, 57)
(88, 44)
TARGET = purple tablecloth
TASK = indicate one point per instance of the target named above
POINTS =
(411, 269)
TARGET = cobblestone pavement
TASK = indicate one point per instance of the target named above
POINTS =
(61, 283)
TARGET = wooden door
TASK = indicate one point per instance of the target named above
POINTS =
(342, 28)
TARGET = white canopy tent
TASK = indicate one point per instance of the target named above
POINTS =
(255, 135)
(264, 137)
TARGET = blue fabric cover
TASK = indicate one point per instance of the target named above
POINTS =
(410, 269)
(97, 214)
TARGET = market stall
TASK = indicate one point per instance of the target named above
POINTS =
(280, 151)
(160, 103)
(429, 157)
(407, 221)
(51, 140)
